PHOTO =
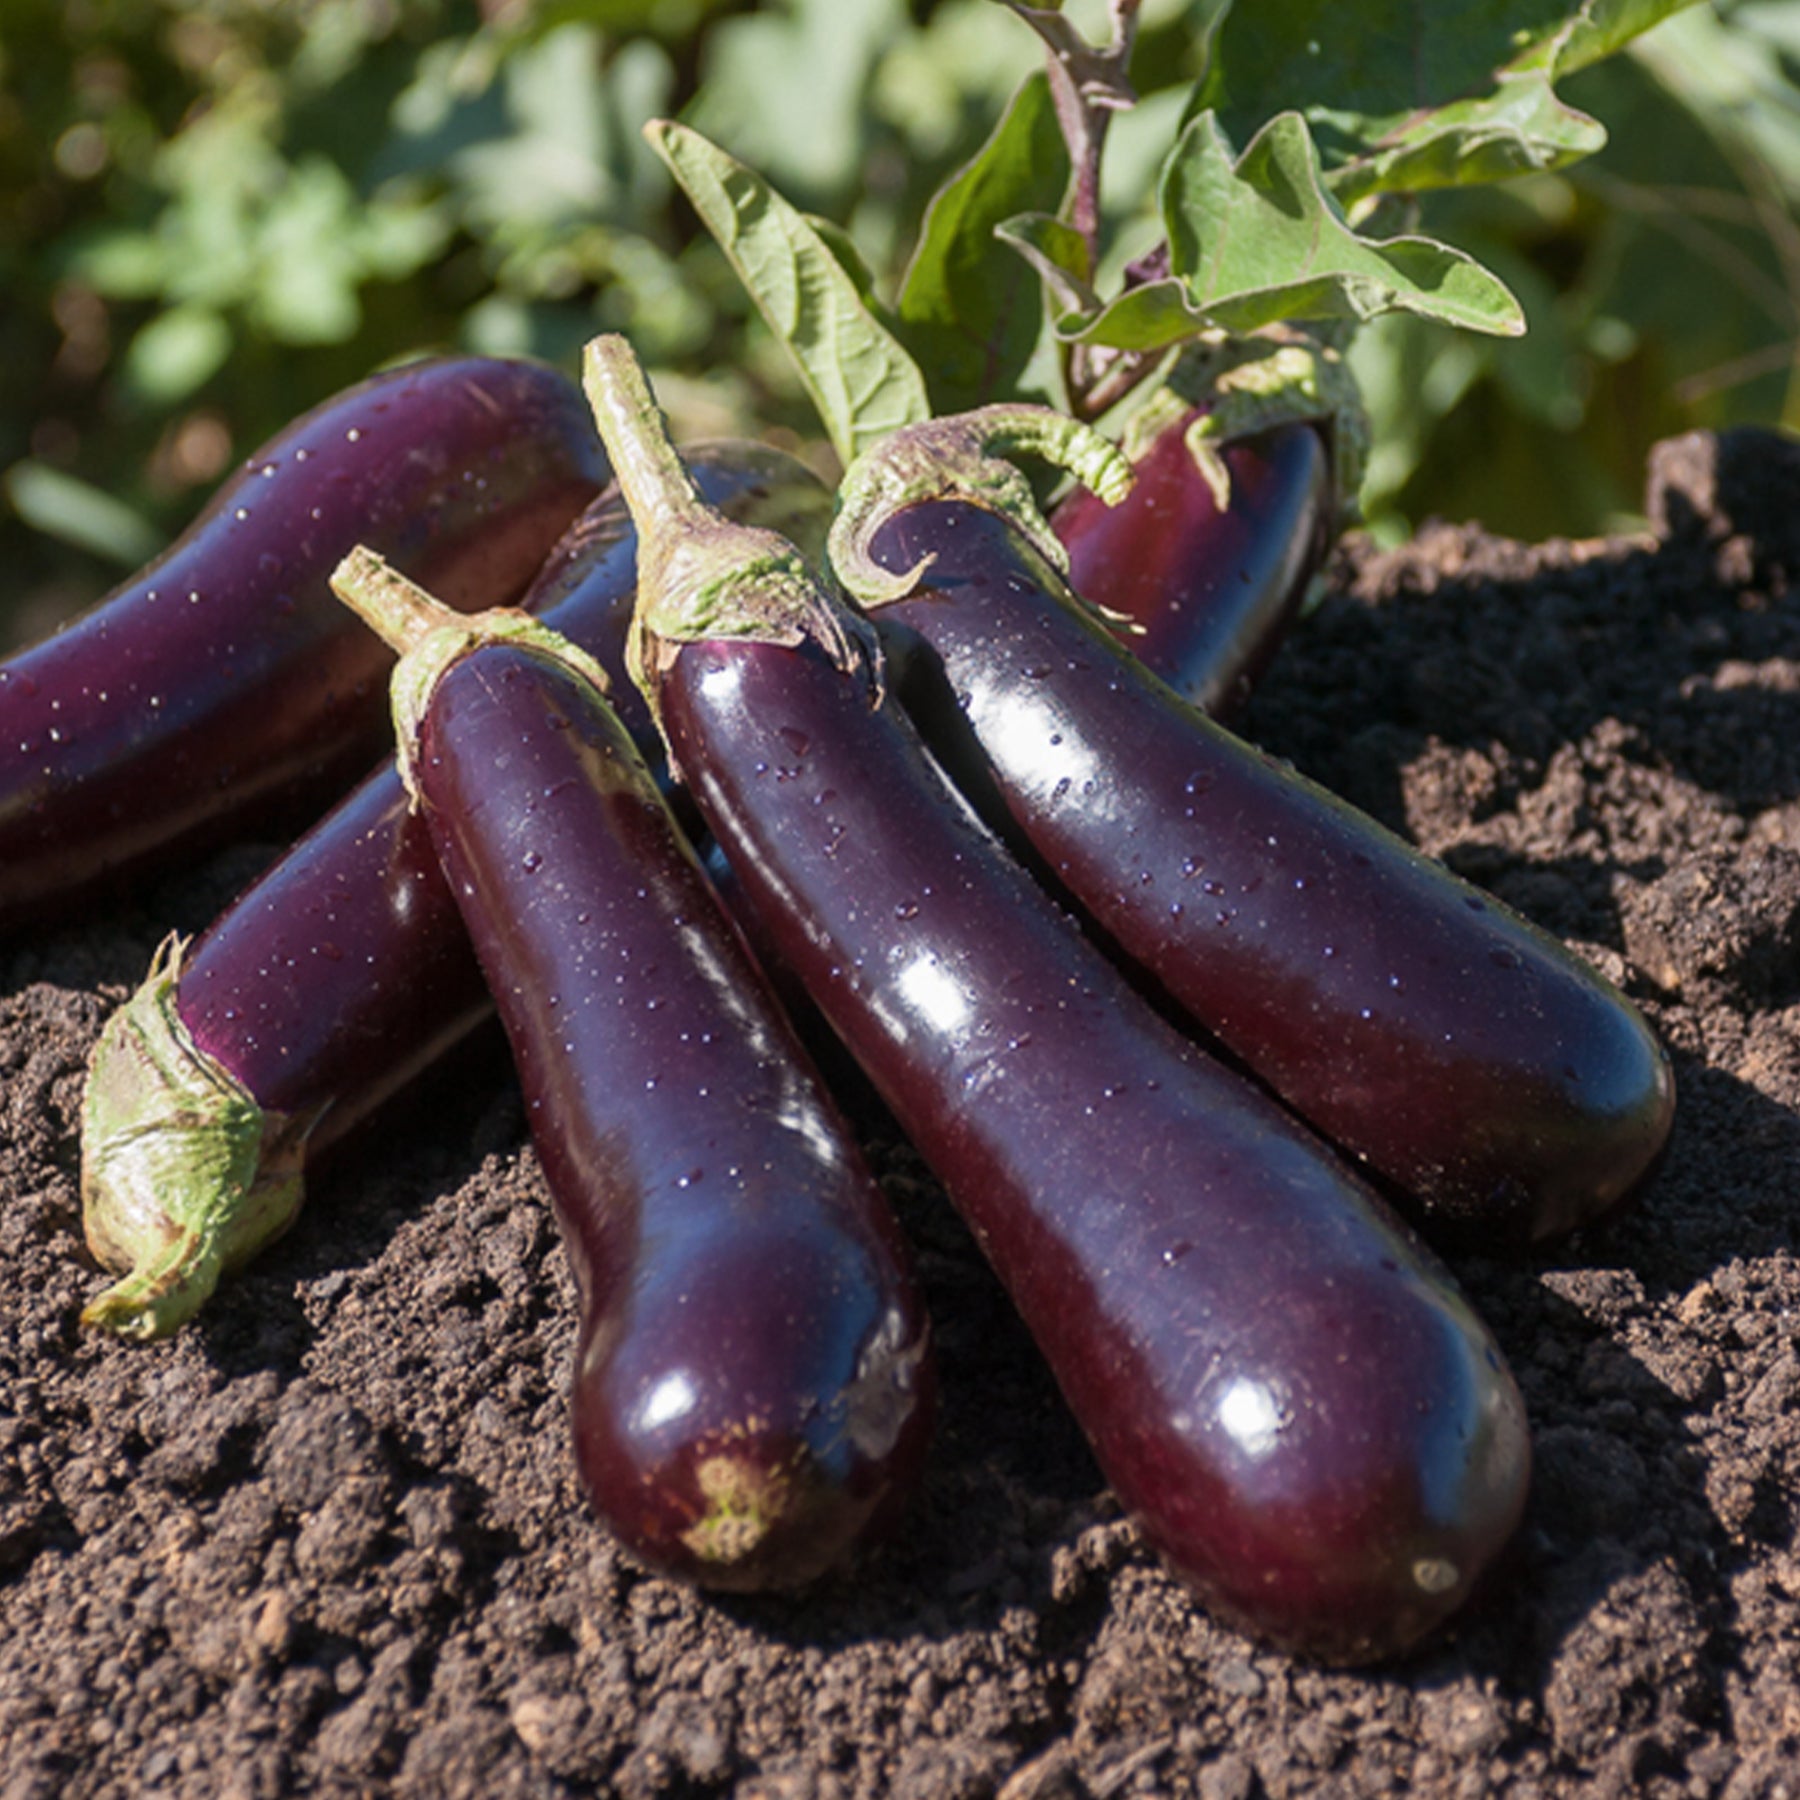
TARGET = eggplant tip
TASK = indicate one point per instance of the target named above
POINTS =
(745, 1504)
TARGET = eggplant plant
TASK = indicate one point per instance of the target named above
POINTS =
(1217, 306)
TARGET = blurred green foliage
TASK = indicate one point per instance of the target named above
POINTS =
(214, 213)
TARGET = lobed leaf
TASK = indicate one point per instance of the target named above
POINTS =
(1261, 240)
(1420, 96)
(1520, 129)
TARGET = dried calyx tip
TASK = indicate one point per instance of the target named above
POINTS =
(183, 1174)
(971, 457)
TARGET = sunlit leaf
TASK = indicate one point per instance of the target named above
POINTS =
(177, 352)
(75, 512)
(788, 86)
(861, 380)
(1521, 129)
(1260, 240)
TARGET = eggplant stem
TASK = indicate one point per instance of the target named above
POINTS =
(399, 611)
(969, 457)
(430, 636)
(655, 482)
(701, 575)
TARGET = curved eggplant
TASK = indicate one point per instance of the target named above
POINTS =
(1284, 1389)
(1202, 593)
(752, 1387)
(222, 683)
(333, 980)
(1503, 1086)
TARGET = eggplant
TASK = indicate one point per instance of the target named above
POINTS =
(752, 1388)
(333, 980)
(222, 687)
(1284, 1388)
(1504, 1089)
(1202, 588)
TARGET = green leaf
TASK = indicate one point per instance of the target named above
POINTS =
(1147, 318)
(969, 310)
(789, 85)
(1262, 240)
(1521, 129)
(1059, 253)
(849, 258)
(1594, 30)
(176, 352)
(123, 264)
(63, 506)
(1419, 96)
(861, 380)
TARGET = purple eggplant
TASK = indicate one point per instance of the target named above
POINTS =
(1200, 592)
(333, 980)
(222, 685)
(1282, 1386)
(752, 1387)
(1498, 1082)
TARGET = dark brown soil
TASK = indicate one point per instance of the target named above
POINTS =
(328, 1541)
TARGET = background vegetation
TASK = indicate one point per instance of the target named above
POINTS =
(214, 213)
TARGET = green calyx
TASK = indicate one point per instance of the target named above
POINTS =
(967, 456)
(701, 575)
(1281, 375)
(183, 1175)
(431, 637)
(726, 580)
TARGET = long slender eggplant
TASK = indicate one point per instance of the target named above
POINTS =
(222, 683)
(334, 979)
(1282, 1386)
(1201, 589)
(752, 1386)
(1499, 1083)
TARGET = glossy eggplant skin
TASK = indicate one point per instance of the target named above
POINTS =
(223, 683)
(330, 983)
(1282, 1386)
(1506, 1091)
(752, 1389)
(344, 969)
(1206, 593)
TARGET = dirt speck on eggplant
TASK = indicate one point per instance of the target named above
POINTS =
(329, 1539)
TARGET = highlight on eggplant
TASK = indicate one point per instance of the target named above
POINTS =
(1506, 1091)
(1282, 1386)
(221, 685)
(752, 1389)
(335, 979)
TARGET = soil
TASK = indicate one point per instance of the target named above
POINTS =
(328, 1541)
